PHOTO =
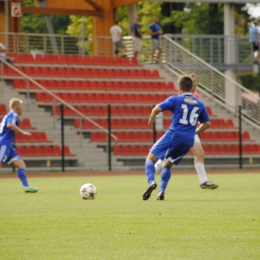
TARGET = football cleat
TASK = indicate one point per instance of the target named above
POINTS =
(160, 195)
(30, 189)
(149, 190)
(208, 185)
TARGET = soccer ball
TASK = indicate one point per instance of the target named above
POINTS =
(88, 191)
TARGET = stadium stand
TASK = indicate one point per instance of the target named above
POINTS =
(90, 84)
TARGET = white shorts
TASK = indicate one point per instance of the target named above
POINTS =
(156, 44)
(196, 139)
(137, 44)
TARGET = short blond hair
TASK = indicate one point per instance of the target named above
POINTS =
(14, 102)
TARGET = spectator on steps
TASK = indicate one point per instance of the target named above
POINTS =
(3, 54)
(136, 30)
(117, 38)
(155, 32)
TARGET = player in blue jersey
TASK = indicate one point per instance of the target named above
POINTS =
(177, 141)
(198, 153)
(8, 154)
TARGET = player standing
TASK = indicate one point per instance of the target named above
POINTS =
(176, 142)
(8, 128)
(198, 153)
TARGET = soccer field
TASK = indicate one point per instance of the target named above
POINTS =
(190, 224)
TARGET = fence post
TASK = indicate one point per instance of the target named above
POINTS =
(109, 138)
(240, 137)
(62, 138)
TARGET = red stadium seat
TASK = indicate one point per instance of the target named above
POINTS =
(39, 151)
(77, 85)
(62, 72)
(102, 73)
(230, 123)
(56, 150)
(67, 151)
(245, 136)
(129, 137)
(69, 85)
(21, 150)
(64, 59)
(55, 59)
(133, 74)
(47, 59)
(148, 74)
(27, 124)
(38, 58)
(80, 59)
(94, 73)
(30, 151)
(117, 85)
(71, 59)
(42, 137)
(53, 72)
(3, 110)
(155, 74)
(133, 86)
(118, 150)
(144, 149)
(70, 72)
(74, 97)
(48, 150)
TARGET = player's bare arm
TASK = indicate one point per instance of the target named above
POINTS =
(203, 127)
(140, 33)
(156, 110)
(256, 38)
(18, 130)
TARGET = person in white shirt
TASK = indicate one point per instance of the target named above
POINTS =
(3, 54)
(116, 34)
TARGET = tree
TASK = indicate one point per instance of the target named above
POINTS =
(197, 19)
(35, 23)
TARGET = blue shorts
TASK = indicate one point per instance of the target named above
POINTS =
(8, 154)
(171, 147)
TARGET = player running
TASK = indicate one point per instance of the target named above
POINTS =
(177, 141)
(198, 153)
(8, 128)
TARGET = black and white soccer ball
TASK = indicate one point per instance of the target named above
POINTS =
(88, 191)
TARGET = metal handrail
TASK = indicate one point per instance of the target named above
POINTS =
(59, 99)
(211, 80)
(207, 64)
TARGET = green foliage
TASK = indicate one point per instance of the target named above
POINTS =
(35, 23)
(147, 11)
(75, 26)
(75, 29)
(123, 19)
(56, 224)
(251, 82)
(197, 19)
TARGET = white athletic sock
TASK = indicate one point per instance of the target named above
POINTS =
(200, 169)
(158, 166)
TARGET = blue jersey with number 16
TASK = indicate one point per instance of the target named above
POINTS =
(187, 111)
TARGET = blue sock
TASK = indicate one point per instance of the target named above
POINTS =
(165, 177)
(22, 176)
(150, 171)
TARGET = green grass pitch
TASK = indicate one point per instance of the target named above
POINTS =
(56, 224)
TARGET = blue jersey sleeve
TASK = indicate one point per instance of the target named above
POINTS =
(167, 104)
(12, 119)
(204, 117)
